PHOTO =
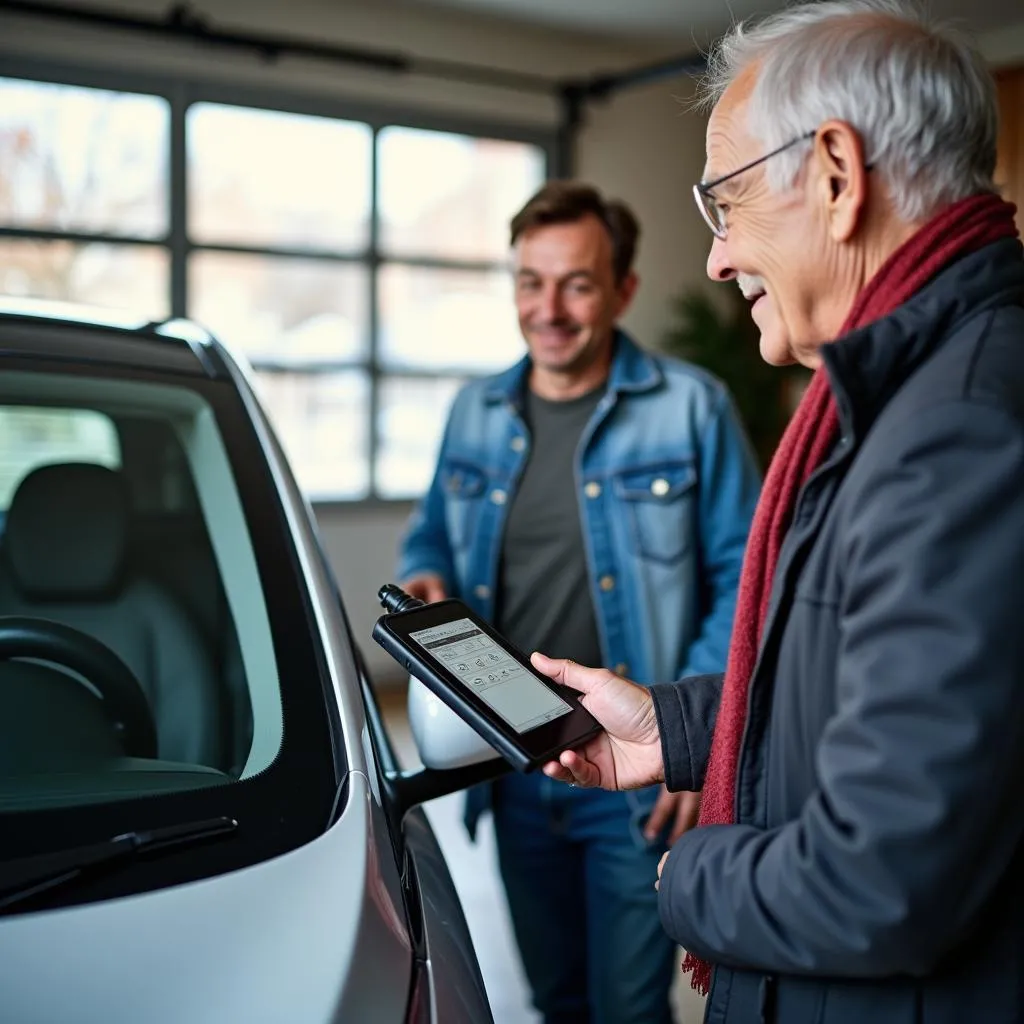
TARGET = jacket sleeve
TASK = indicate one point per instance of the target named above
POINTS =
(729, 487)
(425, 546)
(686, 713)
(916, 815)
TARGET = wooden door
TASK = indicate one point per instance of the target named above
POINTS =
(1010, 165)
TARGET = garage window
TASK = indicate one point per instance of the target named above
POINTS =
(357, 263)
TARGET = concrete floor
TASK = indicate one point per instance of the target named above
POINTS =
(474, 869)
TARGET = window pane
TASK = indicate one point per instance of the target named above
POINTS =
(131, 277)
(322, 420)
(448, 319)
(78, 159)
(410, 421)
(31, 437)
(279, 308)
(452, 196)
(260, 177)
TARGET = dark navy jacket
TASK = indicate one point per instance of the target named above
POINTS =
(876, 870)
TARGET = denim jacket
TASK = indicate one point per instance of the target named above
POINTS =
(666, 482)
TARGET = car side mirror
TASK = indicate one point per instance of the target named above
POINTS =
(454, 757)
(443, 740)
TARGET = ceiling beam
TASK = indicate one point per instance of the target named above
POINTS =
(182, 22)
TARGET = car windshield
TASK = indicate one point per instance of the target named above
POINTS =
(154, 637)
(122, 523)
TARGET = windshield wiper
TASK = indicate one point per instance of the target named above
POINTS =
(29, 876)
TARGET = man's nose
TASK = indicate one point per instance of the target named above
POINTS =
(551, 303)
(719, 267)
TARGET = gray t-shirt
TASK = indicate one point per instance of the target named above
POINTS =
(544, 601)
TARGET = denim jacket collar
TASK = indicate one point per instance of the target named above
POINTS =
(632, 370)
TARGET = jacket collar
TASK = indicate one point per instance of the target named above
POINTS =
(867, 366)
(632, 370)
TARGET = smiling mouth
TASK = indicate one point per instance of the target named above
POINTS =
(753, 295)
(561, 333)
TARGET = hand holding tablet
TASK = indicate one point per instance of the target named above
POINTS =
(526, 717)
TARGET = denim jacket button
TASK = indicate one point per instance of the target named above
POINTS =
(518, 443)
(660, 487)
(593, 489)
(482, 591)
(621, 669)
(607, 583)
(498, 496)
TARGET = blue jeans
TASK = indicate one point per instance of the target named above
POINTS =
(580, 876)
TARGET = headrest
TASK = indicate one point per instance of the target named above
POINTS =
(66, 531)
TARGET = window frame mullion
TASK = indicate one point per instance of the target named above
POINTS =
(374, 320)
(178, 198)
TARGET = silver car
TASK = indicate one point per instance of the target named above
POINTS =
(201, 818)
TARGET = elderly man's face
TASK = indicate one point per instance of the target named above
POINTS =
(774, 248)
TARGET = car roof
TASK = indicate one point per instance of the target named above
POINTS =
(70, 331)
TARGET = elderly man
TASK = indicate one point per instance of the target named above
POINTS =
(865, 860)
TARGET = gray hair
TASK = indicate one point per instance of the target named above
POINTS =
(918, 93)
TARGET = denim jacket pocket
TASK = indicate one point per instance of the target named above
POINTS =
(464, 487)
(659, 505)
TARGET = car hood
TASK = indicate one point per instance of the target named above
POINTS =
(312, 936)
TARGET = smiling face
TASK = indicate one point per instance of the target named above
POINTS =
(776, 247)
(568, 302)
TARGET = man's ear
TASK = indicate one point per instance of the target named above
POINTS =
(842, 178)
(627, 290)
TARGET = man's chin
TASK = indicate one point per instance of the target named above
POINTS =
(775, 350)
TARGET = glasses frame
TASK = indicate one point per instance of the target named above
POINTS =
(703, 189)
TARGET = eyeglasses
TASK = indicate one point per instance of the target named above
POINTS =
(708, 204)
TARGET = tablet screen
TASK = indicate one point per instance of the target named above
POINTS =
(492, 674)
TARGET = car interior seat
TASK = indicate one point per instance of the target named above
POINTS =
(64, 559)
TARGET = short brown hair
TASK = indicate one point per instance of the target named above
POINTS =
(565, 202)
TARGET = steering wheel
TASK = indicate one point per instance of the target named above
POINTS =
(124, 700)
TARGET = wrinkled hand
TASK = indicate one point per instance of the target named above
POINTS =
(429, 587)
(627, 754)
(681, 809)
(661, 867)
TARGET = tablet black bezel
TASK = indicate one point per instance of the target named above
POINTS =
(541, 743)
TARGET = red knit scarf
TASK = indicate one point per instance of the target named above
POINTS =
(962, 228)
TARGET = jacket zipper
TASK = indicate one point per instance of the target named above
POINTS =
(766, 1000)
